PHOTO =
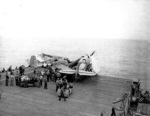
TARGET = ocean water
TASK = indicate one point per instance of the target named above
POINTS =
(115, 58)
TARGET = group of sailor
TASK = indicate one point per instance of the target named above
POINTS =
(63, 88)
(36, 79)
(10, 78)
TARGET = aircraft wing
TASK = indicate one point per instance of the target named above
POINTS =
(86, 73)
(52, 56)
(65, 69)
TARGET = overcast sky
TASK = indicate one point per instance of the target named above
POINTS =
(29, 27)
(103, 19)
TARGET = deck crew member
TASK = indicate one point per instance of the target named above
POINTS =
(57, 74)
(17, 79)
(45, 82)
(9, 73)
(21, 70)
(42, 72)
(41, 79)
(51, 72)
(7, 79)
(64, 81)
(67, 87)
(35, 80)
(38, 81)
(58, 83)
(12, 79)
(62, 89)
(113, 113)
(48, 75)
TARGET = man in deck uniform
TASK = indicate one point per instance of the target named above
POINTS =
(38, 81)
(42, 72)
(17, 76)
(57, 74)
(58, 83)
(12, 79)
(21, 70)
(48, 75)
(113, 113)
(64, 88)
(62, 93)
(41, 79)
(17, 79)
(7, 78)
(45, 82)
(64, 81)
(51, 72)
(9, 73)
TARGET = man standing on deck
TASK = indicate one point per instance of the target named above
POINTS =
(58, 83)
(12, 79)
(48, 75)
(42, 72)
(50, 72)
(45, 82)
(62, 89)
(21, 70)
(57, 74)
(7, 78)
(9, 73)
(113, 113)
(17, 79)
(41, 79)
(64, 81)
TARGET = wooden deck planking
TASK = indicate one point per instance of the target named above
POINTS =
(88, 99)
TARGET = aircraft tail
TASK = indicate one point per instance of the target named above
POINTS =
(34, 62)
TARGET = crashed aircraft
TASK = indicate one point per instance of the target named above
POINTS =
(84, 66)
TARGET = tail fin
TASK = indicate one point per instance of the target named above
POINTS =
(34, 62)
